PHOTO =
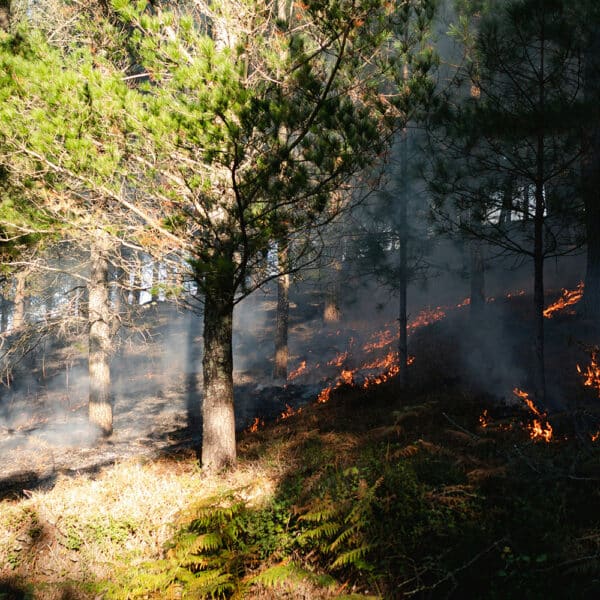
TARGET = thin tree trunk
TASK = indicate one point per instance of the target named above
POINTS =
(403, 282)
(283, 311)
(100, 341)
(591, 184)
(218, 415)
(477, 296)
(331, 311)
(539, 373)
(19, 300)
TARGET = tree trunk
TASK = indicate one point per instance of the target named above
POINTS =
(283, 311)
(218, 416)
(403, 282)
(5, 310)
(5, 15)
(539, 375)
(19, 300)
(100, 341)
(477, 296)
(591, 185)
(331, 311)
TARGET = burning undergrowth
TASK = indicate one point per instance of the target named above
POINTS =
(439, 489)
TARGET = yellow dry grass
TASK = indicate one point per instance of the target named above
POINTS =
(86, 527)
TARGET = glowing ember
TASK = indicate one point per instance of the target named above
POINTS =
(591, 373)
(536, 429)
(595, 436)
(298, 371)
(568, 298)
(465, 302)
(515, 294)
(484, 419)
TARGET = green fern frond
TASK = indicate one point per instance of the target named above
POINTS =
(206, 542)
(214, 584)
(342, 537)
(281, 573)
(325, 530)
(352, 558)
(325, 513)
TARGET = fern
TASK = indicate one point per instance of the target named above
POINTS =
(283, 573)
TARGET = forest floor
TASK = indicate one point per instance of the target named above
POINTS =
(440, 490)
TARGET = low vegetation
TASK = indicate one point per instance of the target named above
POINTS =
(377, 493)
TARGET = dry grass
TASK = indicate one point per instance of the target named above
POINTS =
(86, 527)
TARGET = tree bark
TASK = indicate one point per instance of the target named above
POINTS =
(591, 184)
(477, 270)
(218, 415)
(331, 310)
(283, 311)
(100, 341)
(19, 300)
(5, 15)
(403, 282)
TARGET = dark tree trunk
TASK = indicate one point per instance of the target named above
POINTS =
(5, 311)
(403, 282)
(218, 415)
(539, 374)
(283, 310)
(591, 184)
(477, 270)
(100, 341)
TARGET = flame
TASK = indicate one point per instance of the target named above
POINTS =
(595, 436)
(338, 361)
(300, 370)
(568, 298)
(382, 339)
(289, 411)
(591, 373)
(484, 418)
(427, 317)
(256, 425)
(536, 429)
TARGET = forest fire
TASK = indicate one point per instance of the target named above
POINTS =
(591, 373)
(300, 370)
(536, 429)
(568, 298)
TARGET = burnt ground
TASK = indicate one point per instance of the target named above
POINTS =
(43, 417)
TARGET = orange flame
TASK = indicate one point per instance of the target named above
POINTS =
(256, 425)
(338, 361)
(289, 412)
(382, 339)
(301, 369)
(595, 436)
(536, 429)
(484, 419)
(591, 373)
(568, 298)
